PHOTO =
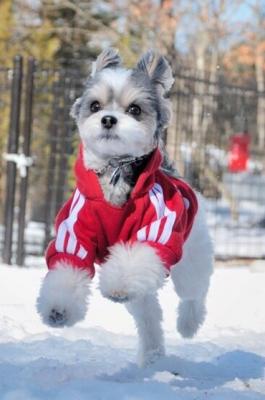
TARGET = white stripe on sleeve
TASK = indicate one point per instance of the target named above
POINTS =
(67, 227)
(168, 228)
(82, 253)
(141, 234)
(71, 220)
(59, 242)
(154, 228)
(74, 201)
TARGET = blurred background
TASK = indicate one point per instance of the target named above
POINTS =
(217, 137)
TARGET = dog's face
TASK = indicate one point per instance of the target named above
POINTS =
(123, 112)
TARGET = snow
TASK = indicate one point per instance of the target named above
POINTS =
(237, 238)
(96, 359)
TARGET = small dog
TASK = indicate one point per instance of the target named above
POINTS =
(130, 212)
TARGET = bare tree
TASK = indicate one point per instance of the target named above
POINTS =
(65, 29)
(258, 44)
(147, 24)
(209, 28)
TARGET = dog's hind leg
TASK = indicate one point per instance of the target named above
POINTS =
(147, 314)
(191, 276)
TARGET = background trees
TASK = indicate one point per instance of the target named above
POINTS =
(202, 34)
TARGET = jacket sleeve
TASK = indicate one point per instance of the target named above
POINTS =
(170, 228)
(75, 241)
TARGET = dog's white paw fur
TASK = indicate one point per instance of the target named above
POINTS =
(63, 297)
(147, 314)
(131, 271)
(191, 316)
(146, 358)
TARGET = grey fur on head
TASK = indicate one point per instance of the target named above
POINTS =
(151, 65)
(74, 112)
(157, 68)
(151, 79)
(135, 99)
(108, 58)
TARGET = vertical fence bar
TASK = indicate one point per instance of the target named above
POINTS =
(62, 162)
(12, 148)
(52, 163)
(26, 150)
(64, 142)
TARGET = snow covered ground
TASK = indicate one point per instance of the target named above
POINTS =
(96, 359)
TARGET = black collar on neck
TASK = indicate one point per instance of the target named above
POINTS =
(126, 166)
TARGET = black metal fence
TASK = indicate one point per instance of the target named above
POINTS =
(212, 119)
(35, 101)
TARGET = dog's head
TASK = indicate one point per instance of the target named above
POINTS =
(123, 112)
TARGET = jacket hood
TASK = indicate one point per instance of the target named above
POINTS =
(88, 183)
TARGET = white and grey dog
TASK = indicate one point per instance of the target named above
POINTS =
(121, 118)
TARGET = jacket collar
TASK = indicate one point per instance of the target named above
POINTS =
(88, 183)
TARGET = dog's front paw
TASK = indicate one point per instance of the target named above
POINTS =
(131, 271)
(57, 318)
(63, 296)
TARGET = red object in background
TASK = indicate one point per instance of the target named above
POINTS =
(238, 154)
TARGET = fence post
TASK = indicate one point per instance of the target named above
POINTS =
(63, 145)
(12, 148)
(52, 163)
(26, 151)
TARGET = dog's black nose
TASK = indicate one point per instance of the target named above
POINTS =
(108, 121)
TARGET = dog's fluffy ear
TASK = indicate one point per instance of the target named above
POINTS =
(74, 112)
(109, 58)
(157, 68)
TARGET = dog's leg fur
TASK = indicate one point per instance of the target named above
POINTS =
(191, 276)
(132, 274)
(63, 297)
(132, 270)
(147, 314)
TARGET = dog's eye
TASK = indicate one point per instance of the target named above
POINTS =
(134, 109)
(95, 106)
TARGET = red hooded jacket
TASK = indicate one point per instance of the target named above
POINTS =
(159, 212)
